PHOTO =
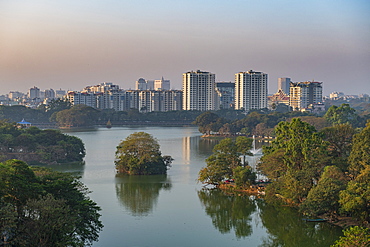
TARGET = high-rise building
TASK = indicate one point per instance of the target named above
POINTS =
(162, 84)
(199, 91)
(284, 84)
(143, 84)
(226, 94)
(49, 94)
(34, 93)
(250, 90)
(302, 94)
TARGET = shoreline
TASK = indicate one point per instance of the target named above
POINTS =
(341, 221)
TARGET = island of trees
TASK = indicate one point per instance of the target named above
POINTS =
(36, 146)
(139, 154)
(324, 173)
(41, 207)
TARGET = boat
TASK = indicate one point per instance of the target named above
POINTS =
(315, 220)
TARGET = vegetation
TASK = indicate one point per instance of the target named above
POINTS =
(139, 154)
(40, 207)
(325, 172)
(34, 145)
(354, 237)
(225, 163)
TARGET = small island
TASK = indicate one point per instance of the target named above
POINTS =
(139, 154)
(36, 146)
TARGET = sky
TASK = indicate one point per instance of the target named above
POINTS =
(72, 44)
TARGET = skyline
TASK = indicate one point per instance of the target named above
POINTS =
(73, 44)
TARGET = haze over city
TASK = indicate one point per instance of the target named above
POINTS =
(72, 44)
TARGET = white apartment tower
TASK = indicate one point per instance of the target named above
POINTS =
(199, 91)
(302, 94)
(250, 90)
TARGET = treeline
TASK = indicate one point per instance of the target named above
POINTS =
(323, 172)
(63, 114)
(262, 122)
(37, 146)
(41, 207)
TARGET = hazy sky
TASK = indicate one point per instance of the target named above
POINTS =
(71, 44)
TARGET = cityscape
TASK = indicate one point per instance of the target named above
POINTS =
(185, 123)
(200, 91)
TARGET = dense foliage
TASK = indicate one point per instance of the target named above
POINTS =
(40, 207)
(325, 172)
(34, 145)
(139, 154)
(225, 163)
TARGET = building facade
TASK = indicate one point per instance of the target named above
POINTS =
(199, 91)
(284, 85)
(225, 94)
(250, 90)
(302, 94)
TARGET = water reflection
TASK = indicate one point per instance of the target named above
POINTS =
(228, 212)
(139, 194)
(286, 228)
(76, 168)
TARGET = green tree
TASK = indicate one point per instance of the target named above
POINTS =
(77, 116)
(244, 145)
(205, 121)
(41, 207)
(355, 199)
(343, 114)
(355, 236)
(244, 176)
(303, 156)
(221, 163)
(359, 158)
(139, 154)
(323, 198)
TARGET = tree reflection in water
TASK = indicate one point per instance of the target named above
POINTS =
(286, 228)
(228, 212)
(139, 194)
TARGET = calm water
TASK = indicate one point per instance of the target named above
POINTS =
(174, 210)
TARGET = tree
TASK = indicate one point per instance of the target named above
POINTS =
(323, 198)
(77, 116)
(355, 199)
(244, 146)
(205, 120)
(360, 153)
(139, 154)
(220, 164)
(355, 236)
(339, 138)
(303, 155)
(343, 114)
(244, 176)
(40, 207)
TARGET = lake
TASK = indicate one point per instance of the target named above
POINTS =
(175, 210)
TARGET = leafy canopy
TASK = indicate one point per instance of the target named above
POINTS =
(139, 154)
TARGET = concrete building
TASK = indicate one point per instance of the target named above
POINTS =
(49, 94)
(225, 94)
(59, 93)
(199, 91)
(162, 84)
(143, 84)
(101, 88)
(34, 93)
(284, 84)
(250, 90)
(302, 94)
(76, 98)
